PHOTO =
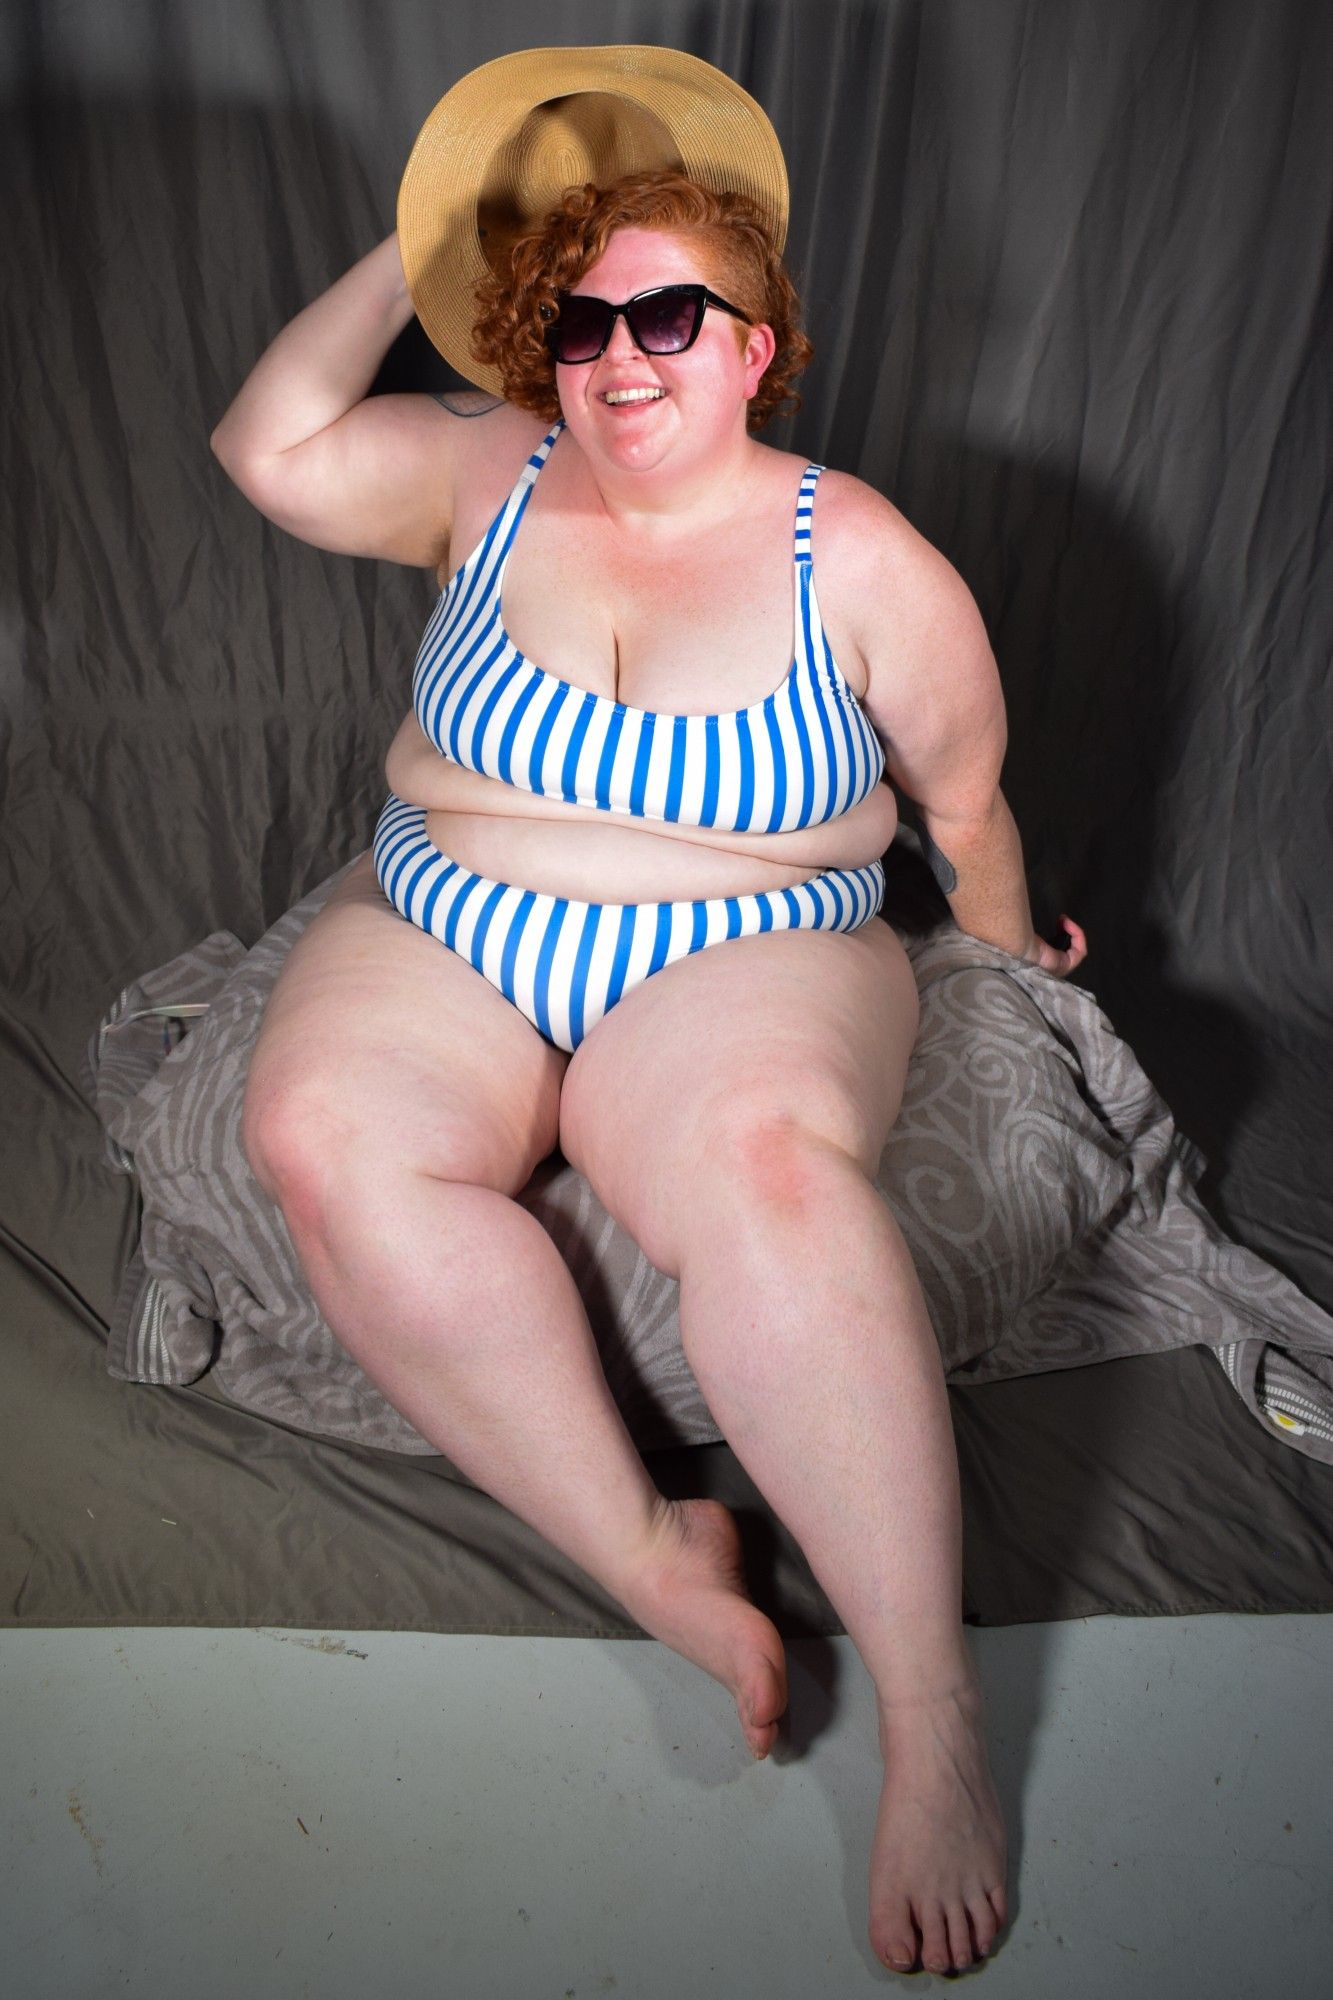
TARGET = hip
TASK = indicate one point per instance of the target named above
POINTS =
(565, 962)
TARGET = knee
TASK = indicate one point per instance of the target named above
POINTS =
(291, 1141)
(775, 1155)
(321, 1155)
(333, 1151)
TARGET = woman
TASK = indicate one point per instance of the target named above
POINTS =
(725, 1082)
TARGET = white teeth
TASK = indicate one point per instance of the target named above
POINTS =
(633, 395)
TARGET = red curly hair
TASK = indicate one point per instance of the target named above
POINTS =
(517, 302)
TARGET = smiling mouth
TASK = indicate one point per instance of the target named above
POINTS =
(619, 398)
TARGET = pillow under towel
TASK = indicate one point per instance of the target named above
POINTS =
(1045, 1195)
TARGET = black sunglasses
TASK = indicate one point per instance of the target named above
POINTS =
(665, 320)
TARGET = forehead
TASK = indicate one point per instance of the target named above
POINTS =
(635, 259)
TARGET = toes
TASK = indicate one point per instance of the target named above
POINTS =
(953, 1937)
(935, 1953)
(960, 1936)
(761, 1738)
(999, 1902)
(895, 1942)
(762, 1702)
(984, 1924)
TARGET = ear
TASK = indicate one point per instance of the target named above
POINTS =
(760, 347)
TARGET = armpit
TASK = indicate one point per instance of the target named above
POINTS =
(467, 402)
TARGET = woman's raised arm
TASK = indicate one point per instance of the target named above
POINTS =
(362, 476)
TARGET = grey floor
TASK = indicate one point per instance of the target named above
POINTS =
(218, 1813)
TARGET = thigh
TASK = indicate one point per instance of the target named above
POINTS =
(804, 1027)
(378, 1037)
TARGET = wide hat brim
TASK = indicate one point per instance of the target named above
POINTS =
(503, 145)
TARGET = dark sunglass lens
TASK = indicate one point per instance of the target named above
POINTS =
(665, 321)
(579, 332)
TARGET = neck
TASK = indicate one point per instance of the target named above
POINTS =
(662, 500)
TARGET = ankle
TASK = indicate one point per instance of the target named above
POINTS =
(950, 1686)
(656, 1550)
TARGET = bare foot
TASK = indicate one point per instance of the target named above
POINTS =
(937, 1863)
(691, 1595)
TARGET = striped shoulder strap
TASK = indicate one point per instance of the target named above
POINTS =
(805, 507)
(521, 491)
(542, 453)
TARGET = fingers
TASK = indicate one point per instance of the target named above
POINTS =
(1078, 946)
(1059, 963)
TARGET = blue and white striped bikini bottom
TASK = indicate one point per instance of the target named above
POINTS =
(564, 964)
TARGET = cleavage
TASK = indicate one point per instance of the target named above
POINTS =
(728, 661)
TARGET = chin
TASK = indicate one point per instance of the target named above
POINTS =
(622, 437)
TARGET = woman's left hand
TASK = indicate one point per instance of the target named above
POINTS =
(1061, 963)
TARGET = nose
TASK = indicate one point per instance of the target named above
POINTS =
(622, 343)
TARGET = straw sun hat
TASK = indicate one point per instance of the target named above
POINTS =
(504, 144)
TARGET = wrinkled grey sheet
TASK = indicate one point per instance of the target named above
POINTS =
(1045, 1195)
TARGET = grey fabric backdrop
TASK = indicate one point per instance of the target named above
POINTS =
(1066, 271)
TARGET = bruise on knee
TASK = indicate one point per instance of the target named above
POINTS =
(778, 1163)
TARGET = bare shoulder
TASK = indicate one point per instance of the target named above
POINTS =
(480, 426)
(484, 442)
(474, 445)
(889, 580)
(929, 677)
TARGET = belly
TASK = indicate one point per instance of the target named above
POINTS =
(596, 857)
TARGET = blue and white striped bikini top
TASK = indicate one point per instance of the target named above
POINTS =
(803, 755)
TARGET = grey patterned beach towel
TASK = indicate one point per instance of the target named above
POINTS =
(1047, 1199)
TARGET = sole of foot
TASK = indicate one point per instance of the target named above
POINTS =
(691, 1595)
